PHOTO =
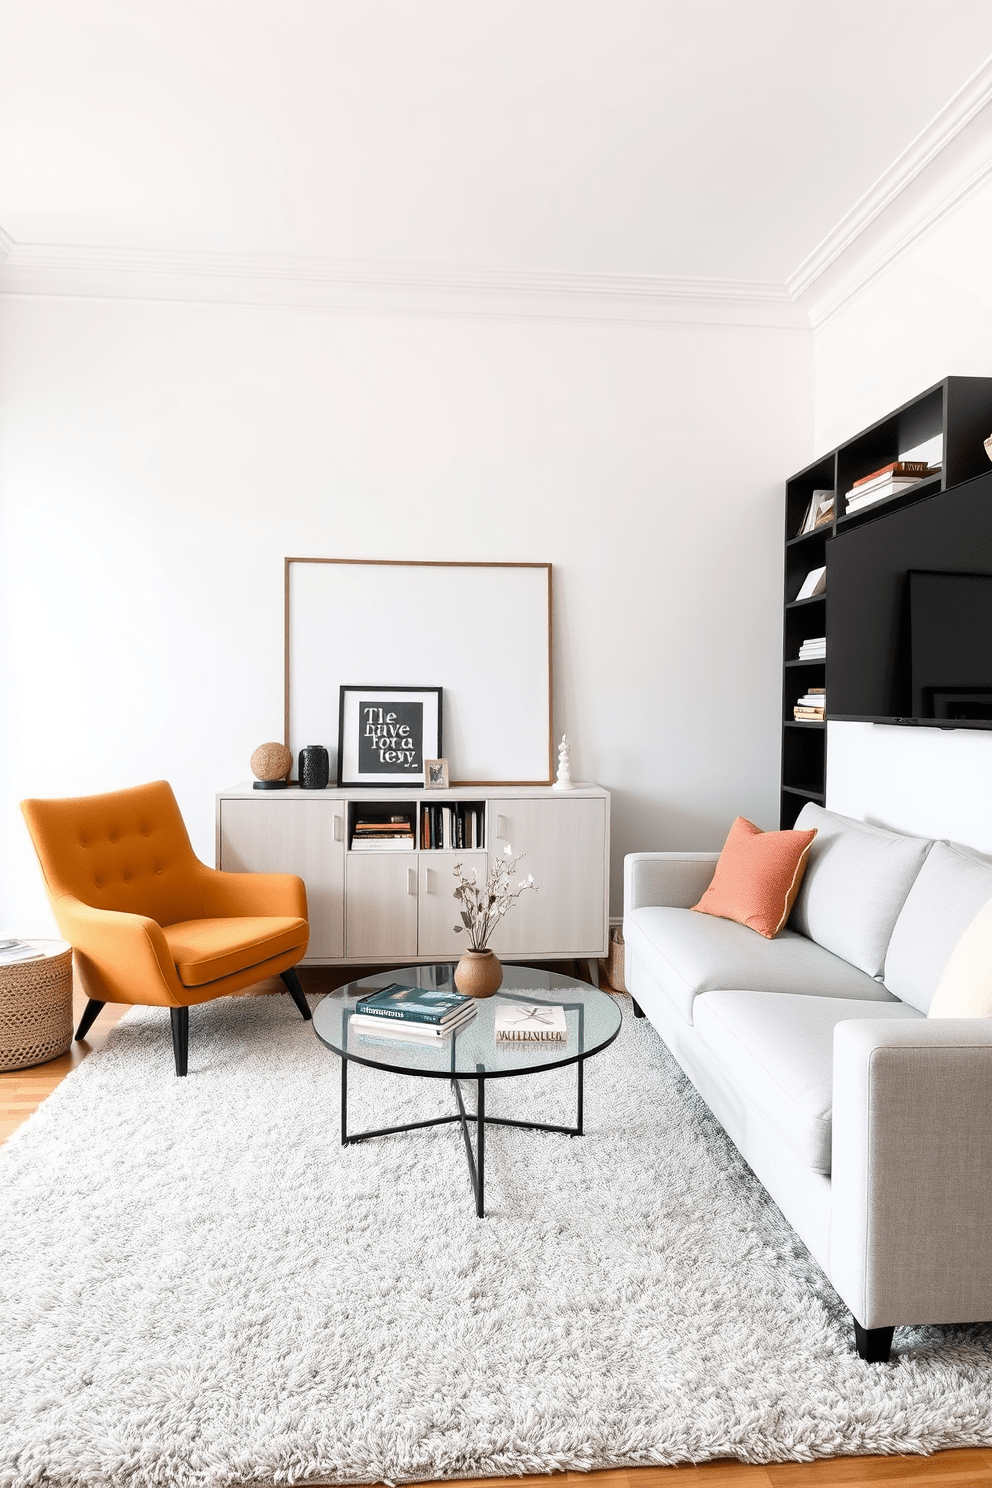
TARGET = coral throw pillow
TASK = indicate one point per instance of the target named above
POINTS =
(758, 877)
(965, 989)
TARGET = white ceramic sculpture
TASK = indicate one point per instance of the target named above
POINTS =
(564, 781)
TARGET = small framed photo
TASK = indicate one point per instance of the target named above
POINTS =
(384, 734)
(435, 774)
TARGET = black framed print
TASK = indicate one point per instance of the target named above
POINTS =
(385, 734)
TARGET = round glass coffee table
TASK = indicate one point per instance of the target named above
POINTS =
(471, 1053)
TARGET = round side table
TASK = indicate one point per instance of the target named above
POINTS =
(36, 1006)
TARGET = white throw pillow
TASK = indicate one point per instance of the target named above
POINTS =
(965, 989)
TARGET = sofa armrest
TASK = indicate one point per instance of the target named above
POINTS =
(911, 1208)
(225, 893)
(120, 957)
(674, 879)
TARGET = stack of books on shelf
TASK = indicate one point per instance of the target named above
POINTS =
(819, 512)
(459, 826)
(529, 1023)
(420, 1015)
(12, 951)
(813, 649)
(889, 480)
(812, 706)
(386, 834)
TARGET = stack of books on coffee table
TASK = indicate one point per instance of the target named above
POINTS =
(411, 1014)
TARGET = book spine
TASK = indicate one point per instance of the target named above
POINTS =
(383, 1026)
(394, 1015)
(531, 1038)
(895, 467)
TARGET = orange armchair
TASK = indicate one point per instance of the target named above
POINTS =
(149, 922)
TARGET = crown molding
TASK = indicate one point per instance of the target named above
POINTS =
(947, 162)
(344, 284)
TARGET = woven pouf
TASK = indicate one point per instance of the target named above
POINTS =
(36, 1007)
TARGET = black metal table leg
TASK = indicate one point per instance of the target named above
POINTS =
(480, 1145)
(580, 1066)
(344, 1102)
(473, 1170)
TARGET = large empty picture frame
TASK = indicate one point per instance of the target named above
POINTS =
(480, 631)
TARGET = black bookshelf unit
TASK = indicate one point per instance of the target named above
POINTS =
(958, 410)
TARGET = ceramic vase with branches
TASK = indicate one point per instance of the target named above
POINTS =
(481, 907)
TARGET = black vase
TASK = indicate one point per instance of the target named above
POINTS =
(314, 767)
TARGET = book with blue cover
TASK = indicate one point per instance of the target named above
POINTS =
(413, 1004)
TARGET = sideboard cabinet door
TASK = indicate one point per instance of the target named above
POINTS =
(381, 905)
(303, 837)
(439, 909)
(563, 844)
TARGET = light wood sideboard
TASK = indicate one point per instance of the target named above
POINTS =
(398, 906)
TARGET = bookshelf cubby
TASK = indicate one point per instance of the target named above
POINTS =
(387, 812)
(458, 827)
(955, 415)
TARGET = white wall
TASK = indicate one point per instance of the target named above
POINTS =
(918, 780)
(157, 461)
(929, 314)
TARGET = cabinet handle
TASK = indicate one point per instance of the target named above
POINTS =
(411, 881)
(502, 830)
(431, 881)
(338, 833)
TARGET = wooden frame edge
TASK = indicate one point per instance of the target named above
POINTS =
(434, 563)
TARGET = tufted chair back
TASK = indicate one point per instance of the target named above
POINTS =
(127, 850)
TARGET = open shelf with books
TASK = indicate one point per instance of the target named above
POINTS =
(458, 827)
(932, 442)
(385, 828)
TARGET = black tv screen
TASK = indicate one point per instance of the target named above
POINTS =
(909, 613)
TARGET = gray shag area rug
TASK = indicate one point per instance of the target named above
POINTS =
(198, 1286)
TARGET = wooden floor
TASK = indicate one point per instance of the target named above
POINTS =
(22, 1091)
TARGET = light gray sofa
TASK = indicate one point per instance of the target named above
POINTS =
(869, 1124)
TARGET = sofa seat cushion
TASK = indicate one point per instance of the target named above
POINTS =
(951, 888)
(205, 950)
(856, 882)
(689, 953)
(776, 1052)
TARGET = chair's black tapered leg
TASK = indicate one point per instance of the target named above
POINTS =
(180, 1037)
(873, 1344)
(638, 1010)
(296, 992)
(86, 1021)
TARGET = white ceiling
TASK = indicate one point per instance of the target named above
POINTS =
(707, 138)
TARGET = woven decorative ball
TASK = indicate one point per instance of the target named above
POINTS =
(271, 762)
(36, 1007)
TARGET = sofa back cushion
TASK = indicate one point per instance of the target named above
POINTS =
(951, 888)
(857, 879)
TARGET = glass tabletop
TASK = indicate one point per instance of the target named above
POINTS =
(592, 1019)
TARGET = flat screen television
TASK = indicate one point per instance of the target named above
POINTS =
(909, 613)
